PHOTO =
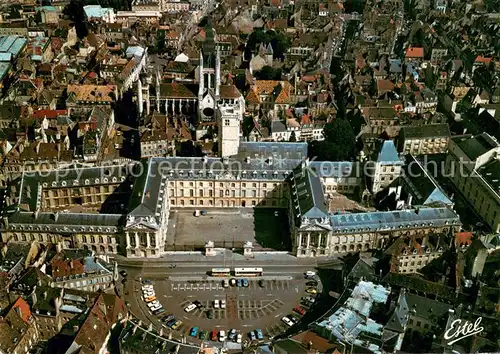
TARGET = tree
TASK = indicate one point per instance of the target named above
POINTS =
(268, 73)
(339, 143)
(293, 138)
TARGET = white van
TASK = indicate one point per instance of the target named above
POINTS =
(216, 304)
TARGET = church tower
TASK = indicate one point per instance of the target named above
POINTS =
(209, 76)
(228, 122)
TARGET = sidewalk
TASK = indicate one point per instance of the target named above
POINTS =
(227, 256)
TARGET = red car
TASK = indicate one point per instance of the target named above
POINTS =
(299, 310)
(214, 336)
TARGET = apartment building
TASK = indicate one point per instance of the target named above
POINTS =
(473, 165)
(424, 139)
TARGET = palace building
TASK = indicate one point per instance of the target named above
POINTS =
(125, 209)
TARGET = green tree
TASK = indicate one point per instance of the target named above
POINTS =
(268, 73)
(339, 143)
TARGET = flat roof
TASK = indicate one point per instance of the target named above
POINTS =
(12, 44)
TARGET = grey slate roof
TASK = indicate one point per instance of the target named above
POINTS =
(388, 154)
(33, 182)
(308, 194)
(421, 185)
(475, 146)
(336, 169)
(426, 131)
(427, 308)
(65, 222)
(389, 220)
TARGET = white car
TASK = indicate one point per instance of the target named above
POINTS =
(223, 304)
(310, 273)
(147, 287)
(222, 336)
(216, 304)
(190, 308)
(157, 307)
(238, 338)
(153, 303)
(288, 321)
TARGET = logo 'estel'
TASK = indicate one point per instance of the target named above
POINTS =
(460, 329)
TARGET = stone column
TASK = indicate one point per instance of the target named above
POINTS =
(300, 241)
(136, 240)
(166, 106)
(148, 241)
(308, 239)
(319, 240)
(127, 238)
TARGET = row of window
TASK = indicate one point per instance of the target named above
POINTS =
(222, 184)
(224, 193)
(227, 203)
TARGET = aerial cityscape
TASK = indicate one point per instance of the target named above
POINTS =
(259, 176)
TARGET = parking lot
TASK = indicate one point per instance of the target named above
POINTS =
(260, 305)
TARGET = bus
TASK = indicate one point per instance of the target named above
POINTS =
(248, 272)
(220, 272)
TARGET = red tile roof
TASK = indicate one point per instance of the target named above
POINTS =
(463, 238)
(49, 113)
(229, 91)
(481, 59)
(415, 52)
(22, 308)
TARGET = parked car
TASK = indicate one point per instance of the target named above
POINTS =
(167, 318)
(311, 291)
(150, 298)
(159, 311)
(312, 283)
(198, 304)
(147, 287)
(177, 325)
(153, 303)
(190, 308)
(259, 334)
(225, 283)
(308, 299)
(193, 332)
(299, 310)
(261, 283)
(310, 274)
(222, 335)
(232, 282)
(147, 281)
(239, 283)
(232, 334)
(223, 304)
(213, 336)
(251, 335)
(154, 308)
(287, 321)
(203, 335)
(216, 304)
(123, 273)
(210, 314)
(239, 338)
(245, 282)
(171, 322)
(292, 318)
